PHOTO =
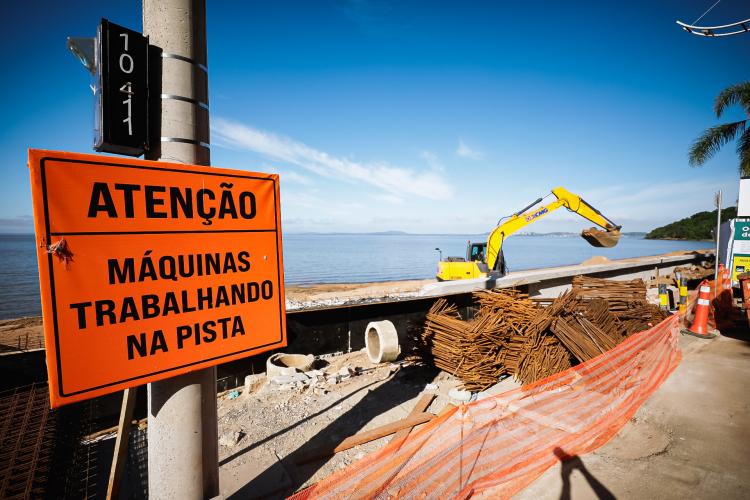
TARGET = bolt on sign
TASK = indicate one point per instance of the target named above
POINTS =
(150, 269)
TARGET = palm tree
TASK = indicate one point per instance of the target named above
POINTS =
(714, 138)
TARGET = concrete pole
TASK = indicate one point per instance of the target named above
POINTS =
(182, 422)
(718, 241)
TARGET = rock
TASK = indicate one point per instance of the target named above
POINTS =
(431, 387)
(230, 439)
(345, 373)
(461, 396)
(289, 379)
(507, 384)
(316, 377)
(253, 383)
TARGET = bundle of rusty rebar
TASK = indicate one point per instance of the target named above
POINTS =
(513, 335)
(542, 355)
(574, 327)
(504, 337)
(626, 301)
(640, 316)
(619, 294)
(598, 312)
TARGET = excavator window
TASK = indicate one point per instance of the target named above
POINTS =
(477, 252)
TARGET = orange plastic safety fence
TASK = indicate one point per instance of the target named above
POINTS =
(499, 445)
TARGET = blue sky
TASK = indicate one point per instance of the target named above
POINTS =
(428, 117)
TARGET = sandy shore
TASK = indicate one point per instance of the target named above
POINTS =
(322, 295)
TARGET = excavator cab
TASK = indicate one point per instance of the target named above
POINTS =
(476, 252)
(474, 265)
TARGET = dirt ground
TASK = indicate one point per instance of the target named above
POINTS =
(689, 439)
(310, 296)
(596, 260)
(267, 434)
(21, 334)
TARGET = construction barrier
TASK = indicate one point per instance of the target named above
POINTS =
(682, 284)
(701, 313)
(499, 445)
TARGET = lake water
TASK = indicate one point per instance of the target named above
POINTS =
(354, 258)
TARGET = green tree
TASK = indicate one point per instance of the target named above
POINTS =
(709, 143)
(698, 226)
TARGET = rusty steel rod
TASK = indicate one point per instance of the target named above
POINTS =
(512, 334)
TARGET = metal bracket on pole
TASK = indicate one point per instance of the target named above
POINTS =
(714, 31)
(167, 55)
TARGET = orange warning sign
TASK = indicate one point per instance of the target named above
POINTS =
(152, 269)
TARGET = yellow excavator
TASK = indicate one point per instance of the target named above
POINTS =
(486, 258)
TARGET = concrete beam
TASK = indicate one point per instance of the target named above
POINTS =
(540, 279)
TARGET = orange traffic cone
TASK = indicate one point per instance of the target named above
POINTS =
(700, 321)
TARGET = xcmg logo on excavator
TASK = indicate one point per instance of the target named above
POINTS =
(533, 216)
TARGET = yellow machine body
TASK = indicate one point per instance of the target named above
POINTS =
(450, 271)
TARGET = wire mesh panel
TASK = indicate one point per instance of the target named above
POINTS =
(27, 432)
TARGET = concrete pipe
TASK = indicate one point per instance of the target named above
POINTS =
(288, 364)
(381, 341)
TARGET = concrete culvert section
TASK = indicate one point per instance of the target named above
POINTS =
(381, 341)
(288, 364)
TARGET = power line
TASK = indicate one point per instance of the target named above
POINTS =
(709, 10)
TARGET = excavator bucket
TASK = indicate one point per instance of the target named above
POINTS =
(601, 239)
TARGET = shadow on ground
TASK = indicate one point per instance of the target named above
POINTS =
(574, 462)
(297, 466)
(739, 330)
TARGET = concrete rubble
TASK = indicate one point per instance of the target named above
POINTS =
(340, 397)
(231, 439)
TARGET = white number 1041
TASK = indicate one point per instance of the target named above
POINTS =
(126, 66)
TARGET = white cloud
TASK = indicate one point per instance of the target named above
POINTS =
(398, 181)
(644, 206)
(286, 176)
(678, 199)
(304, 200)
(295, 177)
(432, 160)
(388, 198)
(465, 151)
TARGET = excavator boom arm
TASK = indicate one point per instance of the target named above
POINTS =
(578, 205)
(566, 199)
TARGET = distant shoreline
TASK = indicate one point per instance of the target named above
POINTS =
(402, 233)
(676, 239)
